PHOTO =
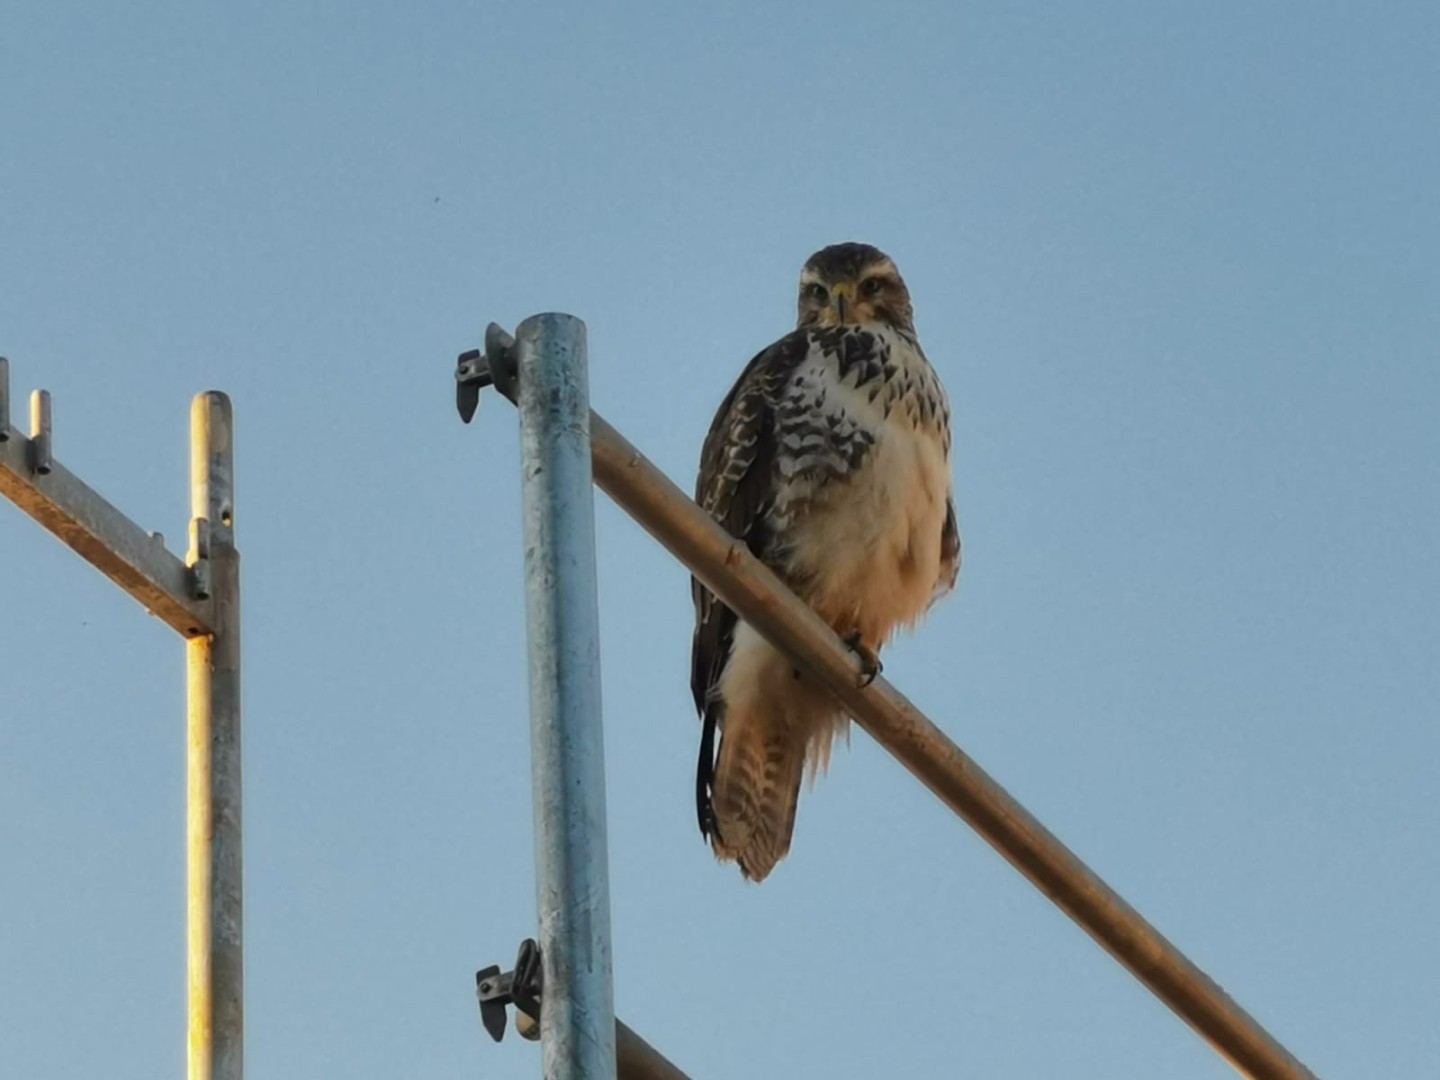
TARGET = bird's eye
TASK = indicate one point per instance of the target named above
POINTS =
(872, 286)
(815, 292)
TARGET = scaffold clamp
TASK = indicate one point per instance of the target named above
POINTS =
(520, 987)
(477, 369)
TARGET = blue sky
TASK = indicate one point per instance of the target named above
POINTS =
(1177, 267)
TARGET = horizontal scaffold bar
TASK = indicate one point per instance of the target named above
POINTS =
(65, 505)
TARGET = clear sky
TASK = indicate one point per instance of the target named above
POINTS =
(1178, 267)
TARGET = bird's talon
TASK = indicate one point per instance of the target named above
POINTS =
(870, 665)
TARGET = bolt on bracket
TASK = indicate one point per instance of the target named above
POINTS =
(520, 987)
(477, 369)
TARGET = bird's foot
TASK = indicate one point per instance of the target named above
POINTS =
(870, 665)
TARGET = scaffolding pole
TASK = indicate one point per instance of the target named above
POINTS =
(201, 602)
(728, 568)
(752, 590)
(214, 952)
(79, 517)
(577, 1021)
(636, 1059)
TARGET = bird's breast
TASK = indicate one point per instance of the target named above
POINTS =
(863, 479)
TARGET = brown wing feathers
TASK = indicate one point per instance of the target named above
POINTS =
(735, 487)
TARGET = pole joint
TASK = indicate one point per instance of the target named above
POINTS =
(4, 400)
(41, 459)
(200, 586)
(495, 366)
(520, 987)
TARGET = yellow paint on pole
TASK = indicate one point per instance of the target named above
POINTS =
(213, 818)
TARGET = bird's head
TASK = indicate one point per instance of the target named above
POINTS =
(853, 283)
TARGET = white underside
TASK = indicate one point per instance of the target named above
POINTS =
(873, 540)
(870, 544)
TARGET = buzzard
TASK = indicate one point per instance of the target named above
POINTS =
(830, 459)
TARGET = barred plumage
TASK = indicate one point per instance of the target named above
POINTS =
(830, 459)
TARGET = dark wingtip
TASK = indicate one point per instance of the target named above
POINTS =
(705, 773)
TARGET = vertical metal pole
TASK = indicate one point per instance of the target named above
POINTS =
(4, 400)
(577, 1021)
(40, 432)
(214, 956)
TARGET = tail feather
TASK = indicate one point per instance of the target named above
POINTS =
(757, 787)
(771, 726)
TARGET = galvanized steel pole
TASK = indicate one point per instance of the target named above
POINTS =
(577, 1022)
(213, 879)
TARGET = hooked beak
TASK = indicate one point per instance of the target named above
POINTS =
(842, 298)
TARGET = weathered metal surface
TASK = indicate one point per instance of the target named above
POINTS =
(214, 865)
(636, 1059)
(40, 438)
(567, 750)
(520, 989)
(102, 535)
(4, 399)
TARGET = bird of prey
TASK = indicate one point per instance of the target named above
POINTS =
(830, 459)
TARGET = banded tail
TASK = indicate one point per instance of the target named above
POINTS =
(756, 789)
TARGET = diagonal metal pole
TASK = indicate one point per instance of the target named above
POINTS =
(214, 953)
(638, 1060)
(728, 568)
(577, 1022)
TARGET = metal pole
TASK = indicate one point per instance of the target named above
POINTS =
(64, 504)
(213, 848)
(577, 1021)
(4, 399)
(728, 568)
(40, 433)
(638, 1060)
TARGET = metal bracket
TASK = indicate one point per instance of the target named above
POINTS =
(200, 584)
(520, 987)
(41, 459)
(475, 370)
(4, 399)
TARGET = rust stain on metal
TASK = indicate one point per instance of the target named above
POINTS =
(104, 537)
